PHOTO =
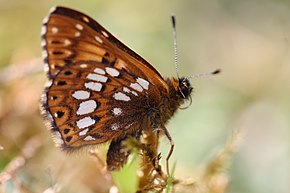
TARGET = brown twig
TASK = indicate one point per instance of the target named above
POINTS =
(151, 176)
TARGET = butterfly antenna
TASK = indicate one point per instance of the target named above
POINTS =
(175, 44)
(217, 71)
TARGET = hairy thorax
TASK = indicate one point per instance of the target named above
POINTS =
(160, 112)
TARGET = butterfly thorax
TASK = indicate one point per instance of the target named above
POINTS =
(179, 92)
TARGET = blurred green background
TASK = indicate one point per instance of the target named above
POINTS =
(247, 39)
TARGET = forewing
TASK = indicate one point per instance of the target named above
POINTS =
(98, 87)
(70, 36)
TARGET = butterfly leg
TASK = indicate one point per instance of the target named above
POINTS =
(117, 154)
(171, 148)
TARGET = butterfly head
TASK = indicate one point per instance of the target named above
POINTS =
(184, 87)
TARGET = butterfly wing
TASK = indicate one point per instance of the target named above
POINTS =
(99, 89)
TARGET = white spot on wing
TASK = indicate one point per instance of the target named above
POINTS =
(97, 77)
(77, 34)
(48, 83)
(54, 30)
(67, 42)
(83, 65)
(43, 29)
(117, 111)
(112, 71)
(114, 127)
(136, 86)
(134, 93)
(86, 19)
(55, 115)
(89, 138)
(85, 122)
(105, 34)
(44, 53)
(43, 42)
(121, 96)
(143, 83)
(52, 9)
(83, 132)
(99, 71)
(79, 26)
(127, 90)
(46, 67)
(94, 86)
(81, 94)
(98, 39)
(45, 20)
(68, 52)
(87, 107)
(121, 63)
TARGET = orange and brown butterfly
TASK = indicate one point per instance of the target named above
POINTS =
(99, 90)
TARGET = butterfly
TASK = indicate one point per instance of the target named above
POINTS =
(99, 90)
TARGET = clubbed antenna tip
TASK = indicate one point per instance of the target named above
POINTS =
(173, 20)
(217, 71)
